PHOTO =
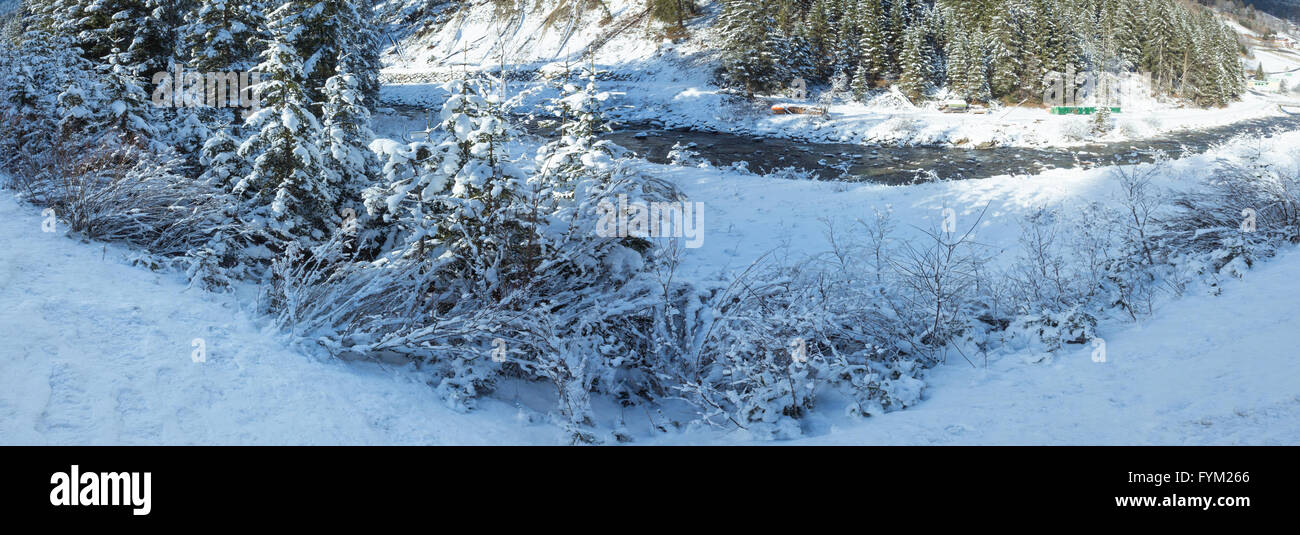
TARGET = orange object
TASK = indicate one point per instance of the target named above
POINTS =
(787, 109)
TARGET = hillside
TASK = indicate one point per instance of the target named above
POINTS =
(1284, 9)
(681, 83)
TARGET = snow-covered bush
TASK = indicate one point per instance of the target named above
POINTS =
(778, 338)
(1240, 214)
(1051, 330)
(686, 155)
(1074, 129)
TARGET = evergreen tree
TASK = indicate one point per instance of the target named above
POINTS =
(149, 39)
(748, 53)
(223, 35)
(1007, 54)
(289, 182)
(896, 31)
(483, 238)
(968, 69)
(324, 31)
(819, 32)
(917, 61)
(222, 166)
(579, 148)
(872, 45)
(1129, 27)
(347, 135)
(844, 50)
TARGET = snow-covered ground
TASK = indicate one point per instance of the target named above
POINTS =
(97, 351)
(1205, 370)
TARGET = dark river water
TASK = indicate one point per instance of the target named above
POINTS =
(902, 165)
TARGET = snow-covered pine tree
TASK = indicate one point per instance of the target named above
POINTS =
(1159, 49)
(150, 39)
(968, 68)
(363, 56)
(789, 45)
(749, 47)
(35, 117)
(917, 62)
(484, 240)
(347, 136)
(322, 32)
(221, 165)
(900, 17)
(1007, 51)
(129, 112)
(134, 27)
(291, 186)
(453, 200)
(873, 46)
(187, 132)
(578, 148)
(223, 35)
(819, 31)
(1129, 26)
(844, 50)
(1230, 59)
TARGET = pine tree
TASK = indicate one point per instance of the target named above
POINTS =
(818, 31)
(1007, 54)
(872, 45)
(223, 35)
(483, 237)
(896, 32)
(672, 12)
(322, 32)
(1129, 25)
(222, 166)
(150, 40)
(1158, 51)
(844, 50)
(45, 58)
(917, 63)
(188, 132)
(578, 151)
(129, 111)
(289, 182)
(748, 52)
(968, 69)
(347, 135)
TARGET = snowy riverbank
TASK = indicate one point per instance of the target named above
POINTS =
(100, 352)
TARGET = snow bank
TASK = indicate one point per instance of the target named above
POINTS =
(94, 351)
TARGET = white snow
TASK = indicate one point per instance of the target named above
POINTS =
(1205, 370)
(94, 351)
